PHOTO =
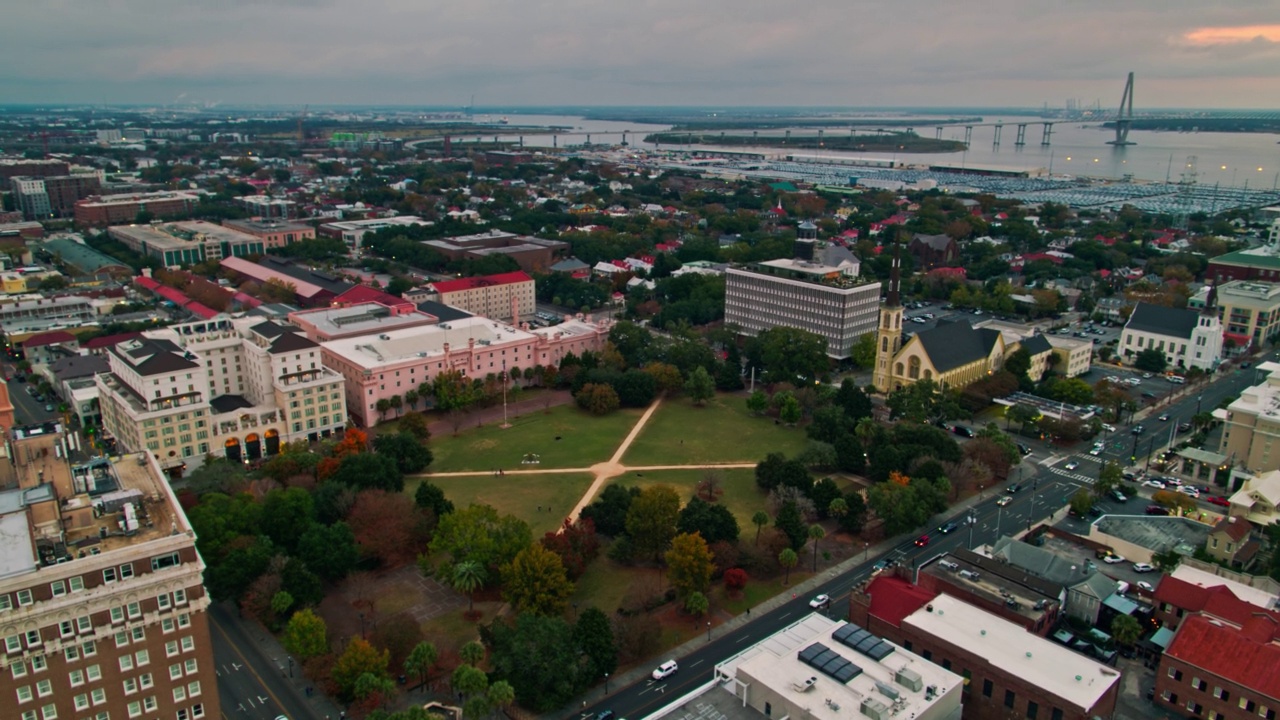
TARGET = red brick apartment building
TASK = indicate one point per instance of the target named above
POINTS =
(102, 607)
(103, 210)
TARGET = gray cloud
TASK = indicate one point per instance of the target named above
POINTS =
(740, 52)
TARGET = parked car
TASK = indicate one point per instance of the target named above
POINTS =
(1144, 585)
(1113, 559)
(1108, 428)
(665, 670)
(1219, 500)
(962, 430)
(1157, 510)
(1154, 483)
(1119, 496)
(1189, 490)
(1141, 567)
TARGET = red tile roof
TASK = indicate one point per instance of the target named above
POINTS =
(364, 293)
(49, 338)
(1246, 656)
(1216, 600)
(471, 283)
(893, 599)
(1236, 528)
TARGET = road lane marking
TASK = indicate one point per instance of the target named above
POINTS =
(236, 649)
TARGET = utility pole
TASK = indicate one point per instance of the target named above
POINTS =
(504, 424)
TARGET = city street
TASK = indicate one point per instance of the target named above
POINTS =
(253, 685)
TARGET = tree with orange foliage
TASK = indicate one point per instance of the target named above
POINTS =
(353, 443)
(898, 478)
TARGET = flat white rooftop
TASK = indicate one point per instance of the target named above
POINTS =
(1043, 663)
(397, 346)
(775, 662)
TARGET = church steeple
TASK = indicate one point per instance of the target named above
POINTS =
(889, 330)
(894, 297)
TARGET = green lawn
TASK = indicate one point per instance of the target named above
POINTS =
(518, 495)
(680, 433)
(584, 441)
(741, 495)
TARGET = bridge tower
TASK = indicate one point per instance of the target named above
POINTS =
(1124, 118)
(1022, 135)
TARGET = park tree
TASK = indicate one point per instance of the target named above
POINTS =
(863, 352)
(387, 526)
(431, 497)
(651, 520)
(305, 635)
(358, 658)
(286, 515)
(1176, 501)
(466, 577)
(597, 398)
(757, 402)
(576, 544)
(408, 452)
(854, 516)
(593, 635)
(789, 411)
(788, 559)
(1073, 391)
(666, 377)
(609, 511)
(415, 423)
(1022, 414)
(714, 522)
(369, 471)
(823, 493)
(421, 659)
(689, 564)
(537, 655)
(788, 354)
(330, 551)
(850, 398)
(790, 522)
(1019, 363)
(1151, 360)
(700, 387)
(696, 604)
(478, 533)
(816, 533)
(535, 581)
(759, 519)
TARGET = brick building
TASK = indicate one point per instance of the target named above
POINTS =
(274, 233)
(1222, 670)
(531, 253)
(13, 167)
(103, 210)
(104, 610)
(1008, 671)
(506, 296)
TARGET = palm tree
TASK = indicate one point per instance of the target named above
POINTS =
(383, 406)
(397, 402)
(816, 533)
(788, 559)
(501, 694)
(838, 508)
(467, 577)
(760, 519)
(472, 653)
(421, 659)
(411, 398)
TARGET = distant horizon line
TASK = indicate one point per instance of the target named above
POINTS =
(562, 108)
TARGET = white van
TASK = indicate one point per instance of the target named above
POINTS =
(1177, 379)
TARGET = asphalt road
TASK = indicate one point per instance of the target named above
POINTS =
(1046, 486)
(251, 685)
(25, 409)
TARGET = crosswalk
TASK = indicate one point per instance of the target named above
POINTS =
(1052, 462)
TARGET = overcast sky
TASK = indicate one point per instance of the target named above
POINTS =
(1186, 53)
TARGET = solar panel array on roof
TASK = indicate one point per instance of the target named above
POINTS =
(829, 663)
(862, 641)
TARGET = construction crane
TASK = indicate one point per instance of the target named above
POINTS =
(302, 138)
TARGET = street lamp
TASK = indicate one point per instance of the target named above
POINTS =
(606, 683)
(290, 658)
(708, 631)
(866, 551)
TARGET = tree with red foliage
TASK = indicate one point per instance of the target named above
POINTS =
(576, 543)
(735, 579)
(388, 526)
(354, 442)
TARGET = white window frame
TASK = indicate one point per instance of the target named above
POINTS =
(188, 643)
(126, 662)
(81, 701)
(142, 657)
(75, 583)
(108, 575)
(93, 673)
(99, 695)
(130, 686)
(135, 709)
(126, 571)
(58, 588)
(76, 678)
(25, 695)
(25, 597)
(44, 688)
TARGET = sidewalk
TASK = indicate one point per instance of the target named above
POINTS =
(801, 589)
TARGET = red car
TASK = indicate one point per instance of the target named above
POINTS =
(922, 541)
(1217, 500)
